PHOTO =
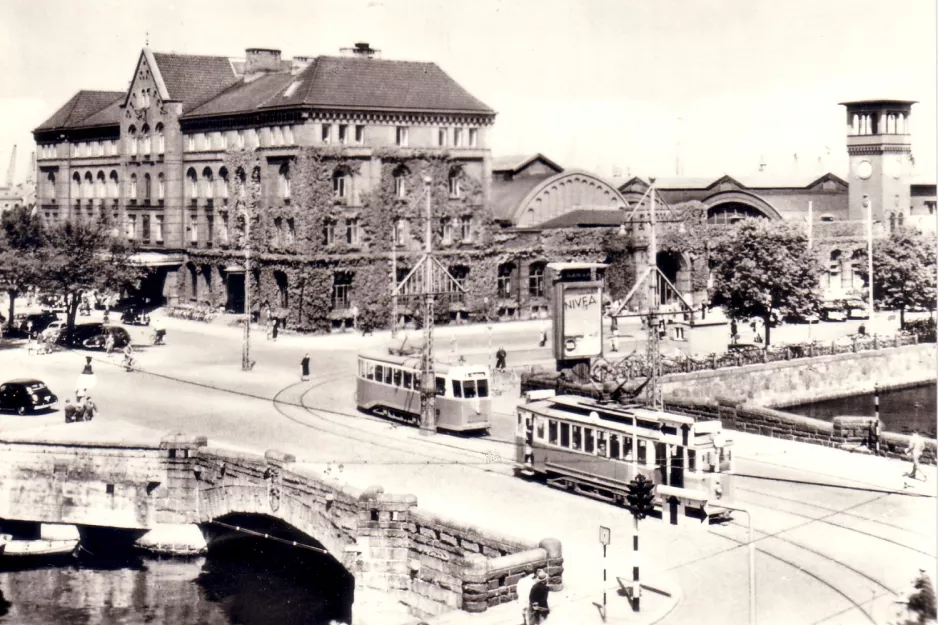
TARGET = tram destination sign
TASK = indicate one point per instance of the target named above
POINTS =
(582, 321)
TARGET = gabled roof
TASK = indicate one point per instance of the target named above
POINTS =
(193, 79)
(86, 108)
(507, 194)
(516, 163)
(349, 83)
(760, 180)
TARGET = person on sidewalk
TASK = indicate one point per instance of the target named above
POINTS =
(500, 359)
(615, 342)
(915, 450)
(524, 597)
(539, 608)
(109, 344)
(305, 366)
(71, 412)
(275, 330)
(88, 409)
(543, 338)
(734, 332)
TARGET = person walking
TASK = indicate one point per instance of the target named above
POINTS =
(734, 332)
(88, 409)
(275, 330)
(71, 411)
(500, 357)
(615, 341)
(539, 608)
(543, 338)
(916, 446)
(304, 364)
(109, 344)
(524, 597)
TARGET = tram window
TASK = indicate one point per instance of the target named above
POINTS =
(552, 432)
(370, 373)
(388, 372)
(589, 445)
(577, 437)
(539, 428)
(691, 460)
(397, 377)
(642, 452)
(627, 448)
(416, 382)
(482, 386)
(457, 388)
(441, 387)
(469, 389)
(601, 443)
(614, 446)
(564, 434)
(408, 379)
(379, 373)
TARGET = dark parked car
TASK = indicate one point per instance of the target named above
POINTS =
(81, 332)
(97, 341)
(26, 396)
(40, 321)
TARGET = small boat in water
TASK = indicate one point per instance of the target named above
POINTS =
(38, 548)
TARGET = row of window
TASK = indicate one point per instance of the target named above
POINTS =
(142, 144)
(409, 379)
(99, 187)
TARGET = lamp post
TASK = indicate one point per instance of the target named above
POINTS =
(869, 254)
(246, 342)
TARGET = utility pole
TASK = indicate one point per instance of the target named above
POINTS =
(246, 342)
(869, 253)
(394, 242)
(428, 416)
(653, 349)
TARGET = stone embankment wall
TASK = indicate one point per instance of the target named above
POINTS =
(808, 379)
(846, 432)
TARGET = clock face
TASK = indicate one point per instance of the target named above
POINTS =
(864, 169)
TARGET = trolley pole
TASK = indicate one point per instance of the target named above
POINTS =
(428, 419)
(246, 343)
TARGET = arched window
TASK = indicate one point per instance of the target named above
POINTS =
(242, 182)
(89, 186)
(147, 189)
(50, 185)
(283, 291)
(400, 181)
(455, 189)
(133, 187)
(193, 184)
(76, 186)
(208, 181)
(285, 181)
(855, 260)
(132, 140)
(222, 183)
(339, 184)
(145, 139)
(160, 187)
(833, 269)
(160, 140)
(114, 190)
(99, 185)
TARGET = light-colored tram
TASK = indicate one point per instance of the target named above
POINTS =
(596, 449)
(389, 385)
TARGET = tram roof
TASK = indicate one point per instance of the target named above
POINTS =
(555, 405)
(414, 362)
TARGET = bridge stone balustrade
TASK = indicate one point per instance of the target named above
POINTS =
(168, 491)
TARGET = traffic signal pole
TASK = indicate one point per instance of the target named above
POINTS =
(636, 578)
(641, 501)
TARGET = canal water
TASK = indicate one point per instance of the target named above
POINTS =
(901, 410)
(245, 582)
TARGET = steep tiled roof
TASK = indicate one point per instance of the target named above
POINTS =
(507, 194)
(194, 79)
(87, 108)
(516, 162)
(347, 82)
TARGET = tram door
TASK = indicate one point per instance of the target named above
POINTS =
(677, 467)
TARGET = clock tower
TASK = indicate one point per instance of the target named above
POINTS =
(880, 150)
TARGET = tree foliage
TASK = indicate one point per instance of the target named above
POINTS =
(764, 268)
(904, 271)
(21, 243)
(83, 256)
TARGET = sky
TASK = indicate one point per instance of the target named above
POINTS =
(642, 87)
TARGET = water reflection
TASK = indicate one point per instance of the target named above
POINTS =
(901, 410)
(244, 583)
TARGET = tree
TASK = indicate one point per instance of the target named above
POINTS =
(904, 267)
(21, 243)
(81, 257)
(764, 268)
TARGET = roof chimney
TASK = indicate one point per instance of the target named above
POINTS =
(261, 60)
(362, 50)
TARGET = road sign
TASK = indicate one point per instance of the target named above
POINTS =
(605, 536)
